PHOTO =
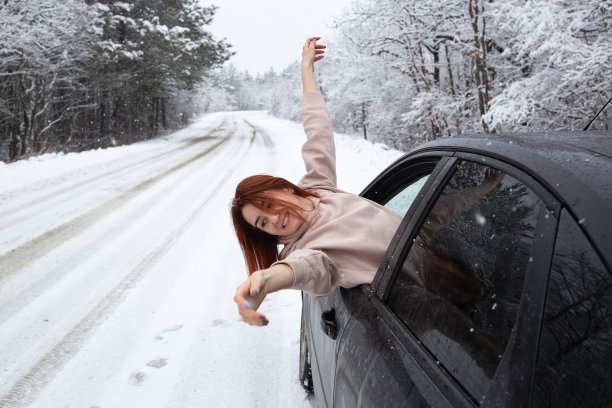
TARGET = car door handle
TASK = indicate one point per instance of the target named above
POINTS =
(328, 323)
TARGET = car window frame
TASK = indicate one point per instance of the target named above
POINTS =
(531, 308)
(394, 173)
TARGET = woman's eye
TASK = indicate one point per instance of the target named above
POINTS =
(263, 222)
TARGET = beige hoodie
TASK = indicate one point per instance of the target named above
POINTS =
(346, 235)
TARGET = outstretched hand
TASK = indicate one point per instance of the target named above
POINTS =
(249, 296)
(312, 52)
(253, 291)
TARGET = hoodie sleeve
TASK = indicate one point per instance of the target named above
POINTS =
(319, 151)
(314, 271)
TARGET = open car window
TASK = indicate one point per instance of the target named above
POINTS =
(401, 202)
(461, 282)
(398, 186)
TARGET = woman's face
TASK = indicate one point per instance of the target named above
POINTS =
(282, 223)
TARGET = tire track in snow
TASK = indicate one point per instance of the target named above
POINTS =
(28, 207)
(265, 138)
(19, 257)
(25, 390)
(14, 299)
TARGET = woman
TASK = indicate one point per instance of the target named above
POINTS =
(331, 238)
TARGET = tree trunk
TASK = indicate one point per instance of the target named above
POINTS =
(163, 112)
(450, 71)
(363, 121)
(479, 56)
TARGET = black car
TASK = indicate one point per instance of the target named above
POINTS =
(502, 299)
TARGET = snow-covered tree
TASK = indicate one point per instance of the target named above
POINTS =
(44, 49)
(440, 48)
(78, 74)
(149, 51)
(559, 70)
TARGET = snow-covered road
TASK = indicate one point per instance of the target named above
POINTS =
(118, 269)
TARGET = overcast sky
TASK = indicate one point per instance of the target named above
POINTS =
(270, 33)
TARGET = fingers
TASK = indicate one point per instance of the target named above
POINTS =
(247, 308)
(248, 297)
(313, 41)
(319, 50)
(251, 316)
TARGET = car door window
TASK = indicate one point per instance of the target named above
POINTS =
(460, 285)
(400, 203)
(576, 341)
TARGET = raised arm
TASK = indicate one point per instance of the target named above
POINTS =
(319, 151)
(311, 52)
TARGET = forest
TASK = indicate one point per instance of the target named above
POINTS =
(78, 74)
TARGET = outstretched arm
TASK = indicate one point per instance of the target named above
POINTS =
(311, 52)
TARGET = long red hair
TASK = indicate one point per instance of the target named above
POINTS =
(259, 248)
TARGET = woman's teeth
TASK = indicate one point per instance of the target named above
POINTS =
(286, 220)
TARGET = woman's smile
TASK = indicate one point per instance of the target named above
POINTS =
(277, 219)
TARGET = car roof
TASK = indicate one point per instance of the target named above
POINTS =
(575, 167)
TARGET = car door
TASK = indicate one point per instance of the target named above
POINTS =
(445, 303)
(328, 316)
(371, 364)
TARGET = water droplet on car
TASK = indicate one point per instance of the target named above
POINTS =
(581, 221)
(530, 259)
(494, 306)
(471, 330)
(480, 219)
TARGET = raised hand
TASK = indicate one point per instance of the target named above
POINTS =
(312, 52)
